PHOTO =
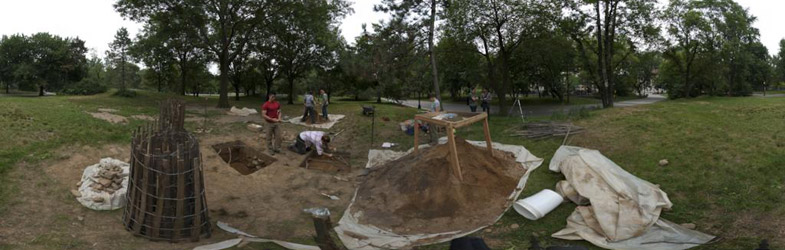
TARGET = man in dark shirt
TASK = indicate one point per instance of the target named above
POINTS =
(271, 112)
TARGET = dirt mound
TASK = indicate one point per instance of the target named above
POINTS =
(419, 194)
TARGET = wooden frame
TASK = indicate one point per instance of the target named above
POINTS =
(469, 118)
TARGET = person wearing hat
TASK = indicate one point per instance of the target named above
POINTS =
(308, 140)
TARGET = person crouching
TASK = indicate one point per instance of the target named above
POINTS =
(308, 140)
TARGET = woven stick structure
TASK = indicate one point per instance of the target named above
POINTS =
(166, 198)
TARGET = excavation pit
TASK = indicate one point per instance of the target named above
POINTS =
(241, 157)
(339, 163)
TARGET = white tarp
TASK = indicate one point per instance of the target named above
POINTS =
(109, 201)
(357, 236)
(242, 112)
(326, 125)
(245, 237)
(616, 210)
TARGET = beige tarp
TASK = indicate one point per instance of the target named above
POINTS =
(358, 236)
(617, 210)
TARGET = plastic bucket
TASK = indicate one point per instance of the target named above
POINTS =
(538, 205)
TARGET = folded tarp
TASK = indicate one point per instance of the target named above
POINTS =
(616, 210)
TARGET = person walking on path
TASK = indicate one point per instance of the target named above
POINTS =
(271, 112)
(473, 101)
(309, 140)
(310, 112)
(486, 102)
(324, 99)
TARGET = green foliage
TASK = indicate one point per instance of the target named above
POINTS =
(118, 56)
(41, 61)
(125, 93)
(715, 50)
(87, 86)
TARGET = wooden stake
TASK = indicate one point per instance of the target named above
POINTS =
(487, 132)
(456, 166)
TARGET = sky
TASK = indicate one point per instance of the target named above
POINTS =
(96, 22)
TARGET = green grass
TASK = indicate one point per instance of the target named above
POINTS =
(725, 173)
(534, 100)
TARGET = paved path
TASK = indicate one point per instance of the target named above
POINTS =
(539, 110)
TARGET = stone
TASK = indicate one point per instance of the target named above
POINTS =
(689, 226)
(535, 235)
(110, 191)
(79, 184)
(515, 226)
(76, 193)
(105, 182)
(79, 218)
(98, 199)
(488, 230)
(663, 162)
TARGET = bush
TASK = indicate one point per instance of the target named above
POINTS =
(125, 93)
(86, 86)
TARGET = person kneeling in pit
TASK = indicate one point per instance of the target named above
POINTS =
(308, 140)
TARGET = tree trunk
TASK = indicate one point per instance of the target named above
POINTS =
(237, 92)
(122, 76)
(183, 77)
(7, 87)
(269, 83)
(223, 87)
(40, 90)
(434, 71)
(291, 89)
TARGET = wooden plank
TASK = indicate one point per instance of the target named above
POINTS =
(470, 120)
(454, 153)
(162, 181)
(432, 121)
(196, 228)
(487, 132)
(416, 136)
(178, 223)
(140, 215)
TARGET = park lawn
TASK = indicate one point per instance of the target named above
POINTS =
(725, 154)
(534, 100)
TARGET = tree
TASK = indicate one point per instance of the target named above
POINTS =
(460, 64)
(222, 26)
(118, 54)
(779, 63)
(308, 37)
(497, 28)
(598, 27)
(422, 14)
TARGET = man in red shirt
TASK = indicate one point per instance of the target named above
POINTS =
(271, 112)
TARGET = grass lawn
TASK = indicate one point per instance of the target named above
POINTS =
(534, 100)
(725, 173)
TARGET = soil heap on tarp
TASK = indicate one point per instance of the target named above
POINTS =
(419, 194)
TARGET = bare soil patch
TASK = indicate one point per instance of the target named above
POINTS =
(419, 194)
(242, 158)
(143, 117)
(267, 203)
(109, 117)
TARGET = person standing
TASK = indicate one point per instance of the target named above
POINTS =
(473, 101)
(324, 99)
(271, 112)
(435, 104)
(486, 100)
(310, 112)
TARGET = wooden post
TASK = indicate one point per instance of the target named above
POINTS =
(416, 136)
(456, 166)
(487, 135)
(323, 238)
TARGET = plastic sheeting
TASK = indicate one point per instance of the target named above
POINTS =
(245, 237)
(357, 236)
(242, 112)
(110, 201)
(617, 210)
(326, 125)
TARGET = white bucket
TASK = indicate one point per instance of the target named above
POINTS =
(538, 205)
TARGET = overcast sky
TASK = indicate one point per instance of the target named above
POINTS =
(96, 22)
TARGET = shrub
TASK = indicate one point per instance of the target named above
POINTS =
(125, 93)
(86, 86)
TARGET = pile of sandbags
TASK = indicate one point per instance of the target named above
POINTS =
(103, 185)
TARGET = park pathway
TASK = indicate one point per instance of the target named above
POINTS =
(539, 110)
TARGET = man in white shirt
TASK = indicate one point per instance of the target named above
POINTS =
(308, 140)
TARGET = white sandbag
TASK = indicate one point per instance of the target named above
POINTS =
(108, 201)
(358, 236)
(622, 212)
(242, 112)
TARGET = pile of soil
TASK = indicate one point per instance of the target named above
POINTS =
(419, 194)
